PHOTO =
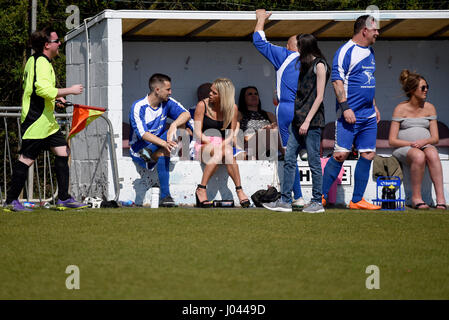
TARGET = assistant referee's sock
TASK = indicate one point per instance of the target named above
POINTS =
(18, 179)
(163, 165)
(361, 177)
(331, 171)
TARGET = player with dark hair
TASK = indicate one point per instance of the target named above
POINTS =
(151, 143)
(40, 131)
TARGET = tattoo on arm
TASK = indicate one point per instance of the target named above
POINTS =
(340, 93)
(339, 90)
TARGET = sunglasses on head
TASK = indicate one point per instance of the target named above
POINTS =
(54, 41)
(424, 87)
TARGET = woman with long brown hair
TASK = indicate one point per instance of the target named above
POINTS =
(414, 132)
(308, 122)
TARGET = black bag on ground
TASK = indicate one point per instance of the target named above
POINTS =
(109, 204)
(264, 196)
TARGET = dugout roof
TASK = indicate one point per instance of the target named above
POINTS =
(158, 25)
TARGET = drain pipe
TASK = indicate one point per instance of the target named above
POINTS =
(30, 181)
(87, 63)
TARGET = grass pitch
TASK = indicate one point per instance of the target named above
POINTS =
(185, 253)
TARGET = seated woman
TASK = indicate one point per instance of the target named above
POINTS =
(414, 132)
(252, 119)
(213, 142)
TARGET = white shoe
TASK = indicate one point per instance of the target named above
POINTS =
(303, 154)
(298, 203)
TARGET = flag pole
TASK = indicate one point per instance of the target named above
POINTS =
(82, 106)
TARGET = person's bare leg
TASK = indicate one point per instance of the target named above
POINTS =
(234, 172)
(436, 173)
(417, 161)
(210, 158)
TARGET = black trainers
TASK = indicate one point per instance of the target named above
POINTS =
(167, 202)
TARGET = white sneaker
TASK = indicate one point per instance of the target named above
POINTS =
(298, 203)
(303, 154)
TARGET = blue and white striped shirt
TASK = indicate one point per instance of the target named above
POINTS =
(286, 64)
(144, 118)
(355, 66)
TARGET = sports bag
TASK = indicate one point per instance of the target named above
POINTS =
(264, 196)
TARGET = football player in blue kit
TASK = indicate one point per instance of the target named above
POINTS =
(354, 85)
(286, 63)
(150, 141)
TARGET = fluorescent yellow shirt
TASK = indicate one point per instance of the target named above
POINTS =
(38, 101)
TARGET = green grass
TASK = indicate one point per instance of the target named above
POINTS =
(184, 253)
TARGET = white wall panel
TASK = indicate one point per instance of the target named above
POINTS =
(209, 60)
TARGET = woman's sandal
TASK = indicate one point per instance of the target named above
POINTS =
(419, 205)
(202, 204)
(441, 206)
(245, 202)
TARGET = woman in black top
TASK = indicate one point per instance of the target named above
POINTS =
(308, 122)
(214, 131)
(253, 120)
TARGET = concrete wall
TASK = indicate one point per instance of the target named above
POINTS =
(255, 175)
(91, 170)
(210, 60)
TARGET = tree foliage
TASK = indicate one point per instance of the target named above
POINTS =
(15, 22)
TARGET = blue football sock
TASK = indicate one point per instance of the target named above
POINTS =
(361, 176)
(296, 184)
(163, 164)
(331, 171)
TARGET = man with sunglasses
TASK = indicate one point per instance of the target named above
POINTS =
(354, 85)
(39, 128)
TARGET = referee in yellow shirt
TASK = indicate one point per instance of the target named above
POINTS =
(40, 131)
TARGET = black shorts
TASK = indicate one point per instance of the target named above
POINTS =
(32, 147)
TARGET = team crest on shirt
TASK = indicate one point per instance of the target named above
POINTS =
(369, 76)
(370, 80)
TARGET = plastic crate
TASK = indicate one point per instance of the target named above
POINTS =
(390, 193)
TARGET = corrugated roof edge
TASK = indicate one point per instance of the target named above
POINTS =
(250, 15)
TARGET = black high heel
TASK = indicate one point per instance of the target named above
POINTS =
(245, 202)
(203, 204)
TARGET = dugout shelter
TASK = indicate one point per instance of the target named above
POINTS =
(114, 53)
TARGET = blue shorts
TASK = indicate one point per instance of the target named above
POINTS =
(284, 115)
(143, 156)
(362, 135)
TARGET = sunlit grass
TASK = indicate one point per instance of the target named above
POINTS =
(185, 253)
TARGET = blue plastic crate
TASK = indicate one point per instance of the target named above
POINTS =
(398, 203)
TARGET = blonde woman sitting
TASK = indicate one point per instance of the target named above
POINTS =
(215, 122)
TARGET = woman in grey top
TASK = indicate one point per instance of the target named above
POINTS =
(414, 132)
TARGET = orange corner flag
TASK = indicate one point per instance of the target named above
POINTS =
(83, 116)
